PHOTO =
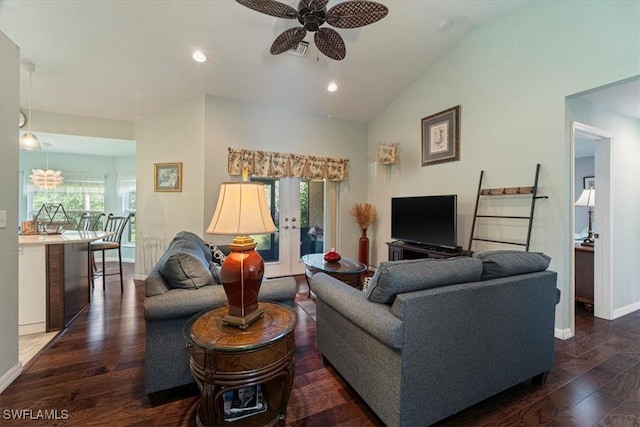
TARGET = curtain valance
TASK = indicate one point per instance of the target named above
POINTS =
(278, 165)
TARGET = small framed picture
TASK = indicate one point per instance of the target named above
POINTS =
(441, 137)
(588, 182)
(167, 177)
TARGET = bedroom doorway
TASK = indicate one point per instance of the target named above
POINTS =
(602, 248)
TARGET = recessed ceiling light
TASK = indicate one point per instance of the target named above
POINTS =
(198, 56)
(332, 87)
(445, 25)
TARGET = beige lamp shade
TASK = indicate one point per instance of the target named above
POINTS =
(242, 210)
(587, 198)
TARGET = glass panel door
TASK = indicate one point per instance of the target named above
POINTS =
(269, 244)
(312, 222)
(298, 210)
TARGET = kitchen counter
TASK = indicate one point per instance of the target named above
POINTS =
(63, 238)
(54, 279)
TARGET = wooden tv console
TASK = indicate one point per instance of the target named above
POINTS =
(399, 250)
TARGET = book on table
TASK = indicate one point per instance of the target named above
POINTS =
(244, 402)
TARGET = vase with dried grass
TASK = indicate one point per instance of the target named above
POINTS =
(364, 214)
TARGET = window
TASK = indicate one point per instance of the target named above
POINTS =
(81, 192)
(127, 193)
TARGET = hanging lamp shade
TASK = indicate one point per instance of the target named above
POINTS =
(28, 141)
(46, 180)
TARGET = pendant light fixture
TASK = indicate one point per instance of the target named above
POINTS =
(28, 141)
(46, 179)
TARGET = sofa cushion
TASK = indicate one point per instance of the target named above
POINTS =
(187, 235)
(154, 283)
(396, 277)
(185, 264)
(497, 264)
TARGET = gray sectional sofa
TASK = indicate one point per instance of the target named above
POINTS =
(430, 338)
(180, 285)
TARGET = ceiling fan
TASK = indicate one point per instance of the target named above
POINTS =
(312, 14)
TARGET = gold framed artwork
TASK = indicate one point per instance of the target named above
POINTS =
(167, 177)
(441, 137)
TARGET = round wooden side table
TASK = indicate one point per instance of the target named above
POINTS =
(229, 363)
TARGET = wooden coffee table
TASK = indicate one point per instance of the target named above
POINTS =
(347, 270)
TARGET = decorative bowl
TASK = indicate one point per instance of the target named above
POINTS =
(332, 256)
(53, 229)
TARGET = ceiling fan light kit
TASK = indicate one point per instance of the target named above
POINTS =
(312, 14)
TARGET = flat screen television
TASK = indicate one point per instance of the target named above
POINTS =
(425, 220)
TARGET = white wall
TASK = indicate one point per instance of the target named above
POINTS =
(511, 78)
(10, 367)
(199, 132)
(169, 136)
(71, 124)
(625, 199)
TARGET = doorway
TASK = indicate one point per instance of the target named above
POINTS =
(601, 140)
(298, 208)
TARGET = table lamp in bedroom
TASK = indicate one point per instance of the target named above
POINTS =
(588, 199)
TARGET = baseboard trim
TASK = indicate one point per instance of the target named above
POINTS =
(32, 328)
(139, 277)
(563, 334)
(10, 376)
(115, 259)
(623, 311)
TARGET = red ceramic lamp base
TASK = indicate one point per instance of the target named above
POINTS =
(242, 273)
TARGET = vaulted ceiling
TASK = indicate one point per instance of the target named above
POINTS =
(128, 59)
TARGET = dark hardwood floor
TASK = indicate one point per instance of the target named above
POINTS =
(94, 372)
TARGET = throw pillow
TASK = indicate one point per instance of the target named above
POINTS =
(215, 272)
(185, 265)
(497, 264)
(396, 277)
(187, 235)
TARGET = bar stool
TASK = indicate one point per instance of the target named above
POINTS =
(89, 222)
(115, 225)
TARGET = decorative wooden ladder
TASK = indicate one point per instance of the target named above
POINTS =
(507, 191)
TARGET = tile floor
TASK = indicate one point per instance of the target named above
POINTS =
(30, 345)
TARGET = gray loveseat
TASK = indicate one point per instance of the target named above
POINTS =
(180, 285)
(430, 338)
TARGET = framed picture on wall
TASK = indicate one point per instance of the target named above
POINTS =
(441, 137)
(588, 182)
(167, 177)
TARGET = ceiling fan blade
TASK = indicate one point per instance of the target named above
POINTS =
(314, 5)
(287, 40)
(271, 7)
(354, 14)
(330, 43)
